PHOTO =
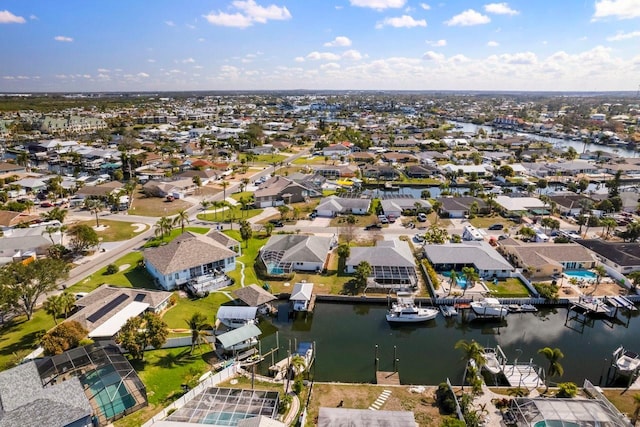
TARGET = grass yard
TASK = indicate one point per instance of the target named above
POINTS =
(485, 222)
(129, 276)
(511, 287)
(156, 241)
(176, 317)
(622, 400)
(116, 231)
(19, 337)
(224, 214)
(265, 159)
(361, 221)
(156, 206)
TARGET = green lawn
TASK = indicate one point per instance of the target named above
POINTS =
(20, 337)
(511, 287)
(264, 158)
(485, 222)
(175, 233)
(116, 230)
(130, 276)
(177, 316)
(235, 212)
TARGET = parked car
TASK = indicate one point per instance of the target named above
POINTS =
(46, 204)
(276, 223)
(496, 227)
(422, 217)
(418, 238)
(373, 227)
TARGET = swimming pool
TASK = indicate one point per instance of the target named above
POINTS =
(272, 268)
(580, 274)
(461, 281)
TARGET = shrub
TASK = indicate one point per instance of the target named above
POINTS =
(567, 390)
(65, 336)
(445, 399)
(111, 269)
(298, 385)
(547, 290)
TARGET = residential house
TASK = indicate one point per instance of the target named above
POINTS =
(520, 205)
(226, 241)
(478, 254)
(546, 259)
(32, 185)
(300, 298)
(621, 257)
(362, 157)
(10, 219)
(570, 204)
(397, 157)
(106, 309)
(421, 171)
(100, 191)
(189, 257)
(206, 175)
(178, 188)
(392, 264)
(380, 172)
(337, 150)
(27, 402)
(8, 169)
(285, 253)
(396, 206)
(279, 190)
(572, 168)
(254, 296)
(333, 205)
(480, 170)
(336, 171)
(460, 207)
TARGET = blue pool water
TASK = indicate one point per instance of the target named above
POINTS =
(461, 281)
(580, 274)
(273, 268)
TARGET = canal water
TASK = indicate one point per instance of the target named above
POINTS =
(346, 336)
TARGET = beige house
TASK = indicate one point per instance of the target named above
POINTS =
(546, 259)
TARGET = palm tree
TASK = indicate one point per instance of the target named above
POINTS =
(268, 228)
(600, 273)
(224, 184)
(453, 280)
(163, 226)
(297, 364)
(471, 351)
(553, 356)
(181, 218)
(95, 206)
(53, 306)
(471, 276)
(67, 303)
(199, 329)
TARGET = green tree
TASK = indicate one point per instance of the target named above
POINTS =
(436, 235)
(53, 307)
(63, 337)
(141, 332)
(200, 329)
(24, 284)
(471, 276)
(362, 273)
(343, 251)
(224, 184)
(181, 219)
(83, 238)
(567, 390)
(67, 303)
(555, 369)
(95, 206)
(246, 232)
(284, 210)
(268, 228)
(55, 214)
(163, 227)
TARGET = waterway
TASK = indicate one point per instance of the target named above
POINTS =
(563, 143)
(346, 336)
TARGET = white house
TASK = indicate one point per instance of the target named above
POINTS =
(301, 296)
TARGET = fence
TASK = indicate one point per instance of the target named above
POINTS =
(211, 381)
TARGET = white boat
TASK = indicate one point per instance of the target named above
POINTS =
(522, 308)
(448, 310)
(627, 362)
(238, 323)
(405, 311)
(491, 362)
(489, 307)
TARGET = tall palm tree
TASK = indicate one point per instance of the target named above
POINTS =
(297, 364)
(53, 306)
(471, 276)
(553, 356)
(224, 184)
(471, 351)
(199, 329)
(181, 218)
(163, 226)
(453, 280)
(600, 273)
(67, 303)
(95, 206)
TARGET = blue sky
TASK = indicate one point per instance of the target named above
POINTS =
(136, 45)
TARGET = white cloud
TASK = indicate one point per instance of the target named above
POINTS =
(437, 43)
(623, 36)
(522, 58)
(493, 44)
(63, 39)
(500, 9)
(201, 39)
(330, 66)
(33, 17)
(322, 56)
(170, 23)
(620, 9)
(425, 6)
(188, 61)
(299, 59)
(103, 70)
(378, 4)
(352, 55)
(191, 27)
(433, 56)
(7, 17)
(151, 60)
(340, 41)
(143, 75)
(404, 21)
(467, 18)
(249, 13)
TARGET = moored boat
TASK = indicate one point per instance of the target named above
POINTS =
(405, 311)
(489, 307)
(626, 362)
(491, 362)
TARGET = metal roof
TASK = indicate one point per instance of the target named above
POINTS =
(236, 312)
(117, 321)
(231, 338)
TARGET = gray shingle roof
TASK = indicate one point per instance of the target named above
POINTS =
(386, 253)
(223, 239)
(186, 251)
(339, 204)
(480, 254)
(253, 295)
(537, 254)
(25, 402)
(299, 248)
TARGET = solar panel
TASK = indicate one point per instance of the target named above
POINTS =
(140, 297)
(107, 308)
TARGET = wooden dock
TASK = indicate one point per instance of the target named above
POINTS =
(387, 378)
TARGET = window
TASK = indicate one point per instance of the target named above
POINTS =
(176, 276)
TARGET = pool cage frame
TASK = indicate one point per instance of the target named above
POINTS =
(275, 257)
(88, 361)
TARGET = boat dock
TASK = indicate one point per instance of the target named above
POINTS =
(592, 306)
(522, 375)
(387, 378)
(620, 302)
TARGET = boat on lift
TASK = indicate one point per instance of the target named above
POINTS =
(406, 311)
(489, 307)
(626, 362)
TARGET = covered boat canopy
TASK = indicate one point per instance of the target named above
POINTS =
(231, 338)
(236, 312)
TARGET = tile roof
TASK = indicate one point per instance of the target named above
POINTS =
(186, 251)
